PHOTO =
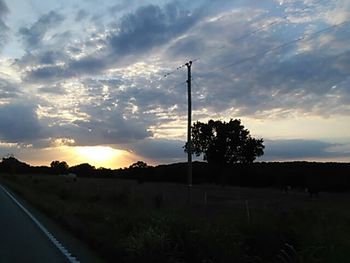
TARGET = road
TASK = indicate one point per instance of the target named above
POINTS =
(21, 240)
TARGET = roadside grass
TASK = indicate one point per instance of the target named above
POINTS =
(129, 222)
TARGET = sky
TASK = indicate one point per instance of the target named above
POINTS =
(103, 81)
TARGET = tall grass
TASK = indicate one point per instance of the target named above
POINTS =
(124, 226)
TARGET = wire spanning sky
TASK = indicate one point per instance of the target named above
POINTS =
(88, 81)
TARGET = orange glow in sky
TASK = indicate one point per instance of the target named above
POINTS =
(98, 156)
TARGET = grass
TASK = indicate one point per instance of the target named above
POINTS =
(129, 222)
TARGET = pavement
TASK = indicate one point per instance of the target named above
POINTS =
(21, 240)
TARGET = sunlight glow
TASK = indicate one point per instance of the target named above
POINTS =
(97, 154)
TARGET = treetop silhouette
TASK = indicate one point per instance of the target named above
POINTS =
(224, 142)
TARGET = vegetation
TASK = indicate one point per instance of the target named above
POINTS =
(139, 221)
(58, 167)
(138, 165)
(224, 142)
(121, 220)
(330, 177)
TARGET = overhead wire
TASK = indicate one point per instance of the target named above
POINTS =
(286, 44)
(259, 29)
(179, 67)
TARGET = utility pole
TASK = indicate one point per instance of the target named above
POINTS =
(189, 143)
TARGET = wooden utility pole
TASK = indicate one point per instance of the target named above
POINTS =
(189, 120)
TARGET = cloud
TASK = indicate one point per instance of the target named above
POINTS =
(8, 90)
(19, 123)
(272, 85)
(48, 74)
(36, 60)
(81, 15)
(105, 87)
(168, 151)
(55, 90)
(3, 8)
(121, 6)
(149, 27)
(103, 127)
(86, 65)
(34, 35)
(160, 150)
(3, 27)
(339, 13)
(127, 41)
(297, 149)
(285, 79)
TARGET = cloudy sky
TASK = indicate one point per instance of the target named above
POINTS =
(83, 80)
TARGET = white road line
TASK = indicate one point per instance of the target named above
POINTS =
(56, 243)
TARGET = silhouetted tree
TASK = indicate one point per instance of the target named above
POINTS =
(83, 170)
(58, 167)
(104, 172)
(139, 164)
(139, 170)
(11, 165)
(225, 142)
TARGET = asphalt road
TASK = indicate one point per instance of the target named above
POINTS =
(20, 239)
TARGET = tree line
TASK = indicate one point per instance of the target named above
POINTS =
(333, 177)
(229, 151)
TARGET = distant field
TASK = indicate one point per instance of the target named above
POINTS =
(152, 222)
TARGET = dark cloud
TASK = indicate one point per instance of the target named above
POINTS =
(87, 65)
(8, 90)
(160, 150)
(48, 74)
(167, 151)
(123, 43)
(55, 90)
(103, 127)
(33, 35)
(121, 106)
(81, 15)
(300, 150)
(42, 58)
(48, 57)
(57, 72)
(149, 27)
(3, 27)
(19, 123)
(3, 8)
(287, 79)
(133, 37)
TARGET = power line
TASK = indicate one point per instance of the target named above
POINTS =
(259, 29)
(304, 37)
(272, 23)
(179, 67)
(307, 36)
(171, 72)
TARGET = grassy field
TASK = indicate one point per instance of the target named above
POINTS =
(129, 222)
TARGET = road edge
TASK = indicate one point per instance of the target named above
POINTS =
(53, 240)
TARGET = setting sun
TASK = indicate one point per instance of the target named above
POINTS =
(98, 156)
(101, 156)
(97, 153)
